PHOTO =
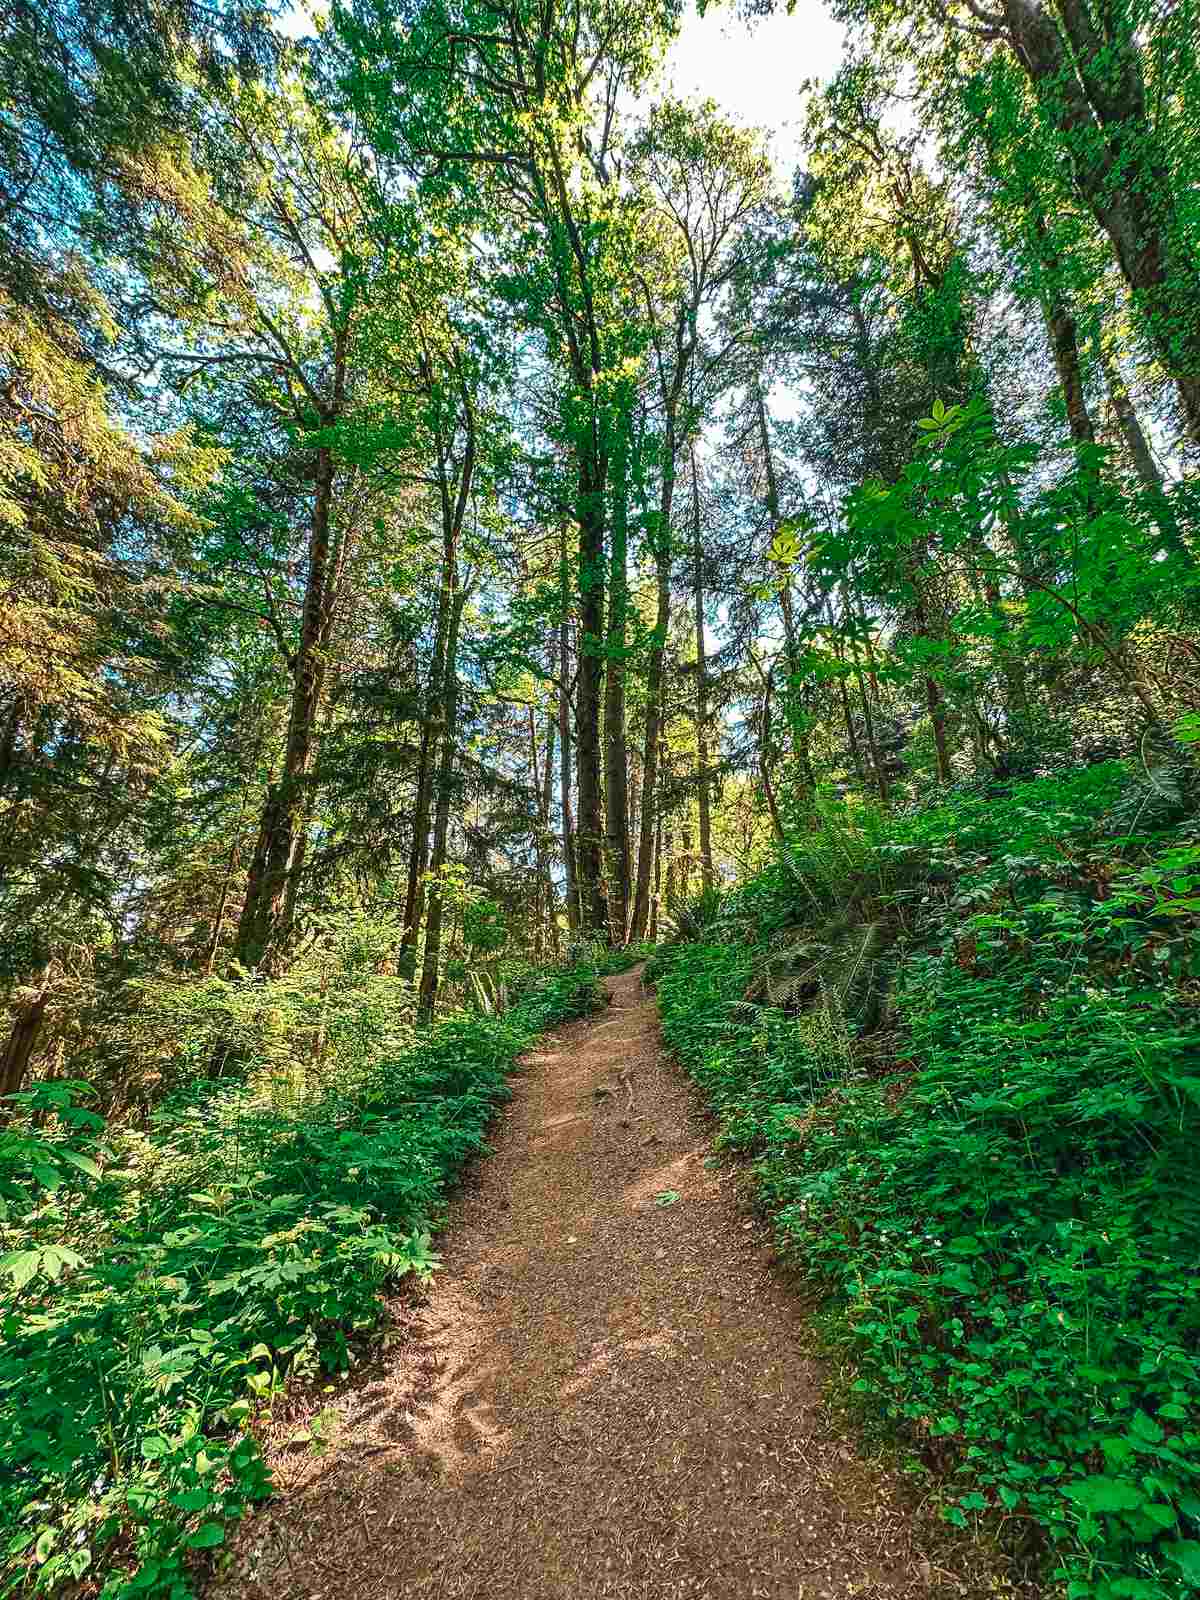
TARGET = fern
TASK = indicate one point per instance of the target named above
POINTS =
(846, 965)
(694, 917)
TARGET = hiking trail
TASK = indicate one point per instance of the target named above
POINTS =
(609, 1394)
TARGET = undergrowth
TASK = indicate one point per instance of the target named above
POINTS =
(167, 1284)
(995, 1166)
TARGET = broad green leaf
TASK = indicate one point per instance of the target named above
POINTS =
(1185, 1553)
(21, 1265)
(1100, 1494)
(85, 1163)
(206, 1536)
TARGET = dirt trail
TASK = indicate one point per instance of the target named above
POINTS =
(605, 1396)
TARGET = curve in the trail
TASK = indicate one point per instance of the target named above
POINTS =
(609, 1395)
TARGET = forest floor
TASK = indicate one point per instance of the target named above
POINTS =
(608, 1394)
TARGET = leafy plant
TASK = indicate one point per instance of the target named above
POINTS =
(165, 1295)
(1004, 1209)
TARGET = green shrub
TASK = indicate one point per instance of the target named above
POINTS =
(171, 1282)
(606, 961)
(1009, 1209)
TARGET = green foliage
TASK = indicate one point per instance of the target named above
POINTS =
(166, 1290)
(1005, 1207)
(606, 961)
(691, 916)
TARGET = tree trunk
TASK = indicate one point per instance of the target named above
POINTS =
(1142, 458)
(616, 758)
(22, 1041)
(1094, 94)
(848, 720)
(671, 883)
(652, 929)
(546, 928)
(765, 749)
(1064, 345)
(544, 803)
(1136, 443)
(648, 853)
(589, 834)
(565, 777)
(264, 910)
(430, 967)
(8, 745)
(684, 873)
(418, 856)
(797, 720)
(704, 799)
(218, 927)
(214, 942)
(261, 924)
(881, 777)
(455, 483)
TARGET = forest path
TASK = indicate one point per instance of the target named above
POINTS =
(603, 1397)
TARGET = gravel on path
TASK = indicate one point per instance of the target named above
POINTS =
(610, 1393)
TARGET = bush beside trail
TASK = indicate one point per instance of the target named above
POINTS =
(169, 1283)
(961, 1047)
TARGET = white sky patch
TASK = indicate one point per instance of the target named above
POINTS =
(753, 69)
(296, 22)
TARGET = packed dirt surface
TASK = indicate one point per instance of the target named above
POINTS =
(610, 1392)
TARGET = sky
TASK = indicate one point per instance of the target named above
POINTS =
(753, 69)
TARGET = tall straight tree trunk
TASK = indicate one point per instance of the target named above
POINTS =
(1062, 331)
(652, 929)
(589, 850)
(1091, 86)
(218, 927)
(616, 756)
(295, 872)
(545, 800)
(881, 777)
(934, 700)
(844, 695)
(1063, 334)
(703, 794)
(418, 855)
(797, 721)
(431, 963)
(655, 678)
(1136, 443)
(1064, 345)
(1137, 447)
(765, 749)
(566, 778)
(263, 912)
(648, 853)
(684, 878)
(671, 871)
(455, 480)
(547, 928)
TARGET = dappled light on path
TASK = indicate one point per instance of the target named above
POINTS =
(608, 1395)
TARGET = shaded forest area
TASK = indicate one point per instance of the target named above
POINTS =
(467, 520)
